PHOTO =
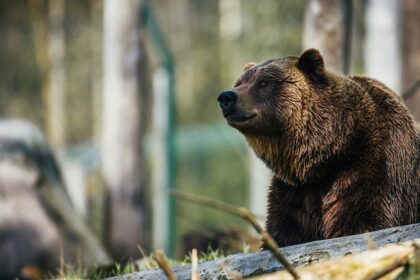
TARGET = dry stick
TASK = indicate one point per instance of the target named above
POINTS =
(371, 244)
(246, 215)
(163, 263)
(411, 91)
(235, 275)
(194, 264)
(145, 258)
(393, 266)
(396, 264)
(272, 245)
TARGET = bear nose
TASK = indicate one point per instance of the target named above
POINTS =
(227, 99)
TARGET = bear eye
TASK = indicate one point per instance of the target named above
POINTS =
(262, 83)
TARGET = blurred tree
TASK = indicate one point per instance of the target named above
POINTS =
(382, 43)
(48, 33)
(55, 95)
(324, 29)
(96, 11)
(411, 53)
(122, 156)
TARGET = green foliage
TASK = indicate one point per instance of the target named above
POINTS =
(209, 255)
(412, 269)
(212, 162)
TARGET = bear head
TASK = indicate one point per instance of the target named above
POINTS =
(267, 97)
(279, 105)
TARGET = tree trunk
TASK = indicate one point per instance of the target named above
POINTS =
(324, 30)
(411, 53)
(96, 12)
(55, 99)
(49, 50)
(122, 130)
(382, 51)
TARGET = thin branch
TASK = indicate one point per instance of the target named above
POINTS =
(163, 263)
(235, 275)
(393, 266)
(244, 214)
(371, 244)
(271, 244)
(145, 257)
(194, 263)
(411, 91)
(198, 199)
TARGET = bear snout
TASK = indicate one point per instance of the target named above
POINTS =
(227, 99)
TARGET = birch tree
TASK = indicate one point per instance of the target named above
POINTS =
(382, 49)
(411, 54)
(122, 131)
(324, 30)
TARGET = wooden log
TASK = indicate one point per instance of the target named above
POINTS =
(385, 263)
(253, 264)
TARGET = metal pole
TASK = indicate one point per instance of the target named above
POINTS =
(166, 62)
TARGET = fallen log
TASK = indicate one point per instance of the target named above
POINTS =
(253, 264)
(385, 263)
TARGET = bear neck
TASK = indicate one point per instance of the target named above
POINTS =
(280, 158)
(302, 155)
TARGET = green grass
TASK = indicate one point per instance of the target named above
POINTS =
(71, 272)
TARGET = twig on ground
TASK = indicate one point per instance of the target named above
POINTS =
(163, 263)
(246, 215)
(145, 258)
(194, 263)
(371, 244)
(235, 275)
(271, 244)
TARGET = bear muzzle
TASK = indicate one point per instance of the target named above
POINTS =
(227, 101)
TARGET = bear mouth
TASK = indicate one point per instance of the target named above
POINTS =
(236, 118)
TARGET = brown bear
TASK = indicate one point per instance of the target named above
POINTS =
(343, 150)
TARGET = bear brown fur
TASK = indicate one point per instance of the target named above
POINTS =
(343, 150)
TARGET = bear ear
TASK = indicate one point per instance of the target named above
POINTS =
(312, 63)
(249, 65)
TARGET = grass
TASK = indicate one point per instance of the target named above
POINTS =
(71, 272)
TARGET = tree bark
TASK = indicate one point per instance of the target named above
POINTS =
(382, 43)
(254, 264)
(324, 30)
(411, 53)
(122, 130)
(387, 262)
